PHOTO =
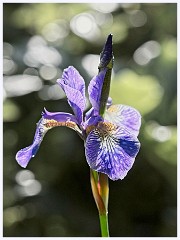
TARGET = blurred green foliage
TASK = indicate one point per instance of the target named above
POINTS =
(53, 197)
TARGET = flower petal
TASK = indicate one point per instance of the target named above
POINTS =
(74, 87)
(111, 150)
(59, 116)
(24, 155)
(48, 121)
(126, 116)
(95, 89)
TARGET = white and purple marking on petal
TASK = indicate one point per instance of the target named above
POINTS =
(111, 149)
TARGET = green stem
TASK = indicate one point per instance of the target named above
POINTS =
(104, 225)
(100, 190)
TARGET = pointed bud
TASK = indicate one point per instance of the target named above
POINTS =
(106, 62)
(107, 54)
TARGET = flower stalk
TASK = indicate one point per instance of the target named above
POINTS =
(104, 225)
(100, 190)
(99, 181)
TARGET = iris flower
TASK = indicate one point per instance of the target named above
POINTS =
(110, 139)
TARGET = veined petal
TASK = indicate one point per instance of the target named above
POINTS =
(126, 116)
(48, 121)
(111, 150)
(95, 89)
(74, 87)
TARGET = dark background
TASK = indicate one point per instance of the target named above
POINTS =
(52, 197)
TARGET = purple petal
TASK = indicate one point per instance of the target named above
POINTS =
(111, 150)
(58, 119)
(48, 121)
(91, 120)
(74, 87)
(24, 155)
(126, 116)
(59, 116)
(94, 90)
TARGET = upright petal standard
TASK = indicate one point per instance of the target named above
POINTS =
(94, 90)
(74, 87)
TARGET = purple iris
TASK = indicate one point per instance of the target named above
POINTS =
(111, 143)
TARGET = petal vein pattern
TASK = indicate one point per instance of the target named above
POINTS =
(122, 115)
(74, 87)
(111, 150)
(95, 89)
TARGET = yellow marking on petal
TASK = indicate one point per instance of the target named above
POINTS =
(106, 126)
(103, 128)
(89, 129)
(50, 123)
(112, 108)
(70, 124)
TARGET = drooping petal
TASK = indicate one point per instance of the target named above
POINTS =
(95, 89)
(111, 150)
(48, 121)
(74, 87)
(126, 116)
(24, 155)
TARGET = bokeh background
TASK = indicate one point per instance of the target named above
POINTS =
(52, 197)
